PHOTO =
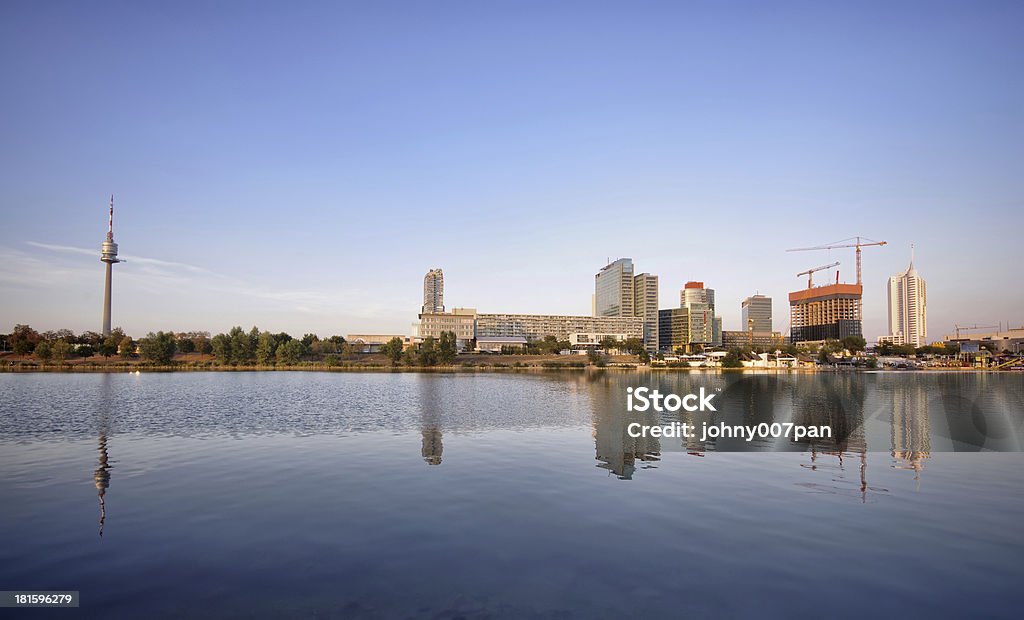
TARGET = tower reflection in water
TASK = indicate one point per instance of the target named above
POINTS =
(101, 477)
(430, 421)
(911, 443)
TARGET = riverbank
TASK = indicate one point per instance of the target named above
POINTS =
(379, 363)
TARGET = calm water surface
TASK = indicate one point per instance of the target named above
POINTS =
(510, 495)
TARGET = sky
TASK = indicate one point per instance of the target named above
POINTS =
(300, 166)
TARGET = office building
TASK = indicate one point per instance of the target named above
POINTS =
(700, 301)
(582, 330)
(461, 321)
(908, 313)
(673, 329)
(756, 313)
(825, 312)
(613, 289)
(645, 306)
(433, 292)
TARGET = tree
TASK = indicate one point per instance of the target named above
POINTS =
(823, 357)
(108, 347)
(392, 349)
(854, 344)
(290, 352)
(158, 347)
(309, 339)
(447, 348)
(61, 350)
(733, 358)
(90, 338)
(609, 342)
(185, 343)
(85, 350)
(43, 351)
(633, 346)
(126, 347)
(427, 353)
(221, 347)
(24, 339)
(266, 348)
(243, 345)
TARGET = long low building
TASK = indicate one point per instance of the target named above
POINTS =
(562, 327)
(578, 330)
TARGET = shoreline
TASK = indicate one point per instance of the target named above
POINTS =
(461, 368)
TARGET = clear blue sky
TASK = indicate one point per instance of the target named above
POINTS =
(299, 166)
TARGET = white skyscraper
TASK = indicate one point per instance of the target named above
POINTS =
(908, 307)
(433, 292)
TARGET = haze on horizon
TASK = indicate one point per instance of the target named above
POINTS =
(301, 168)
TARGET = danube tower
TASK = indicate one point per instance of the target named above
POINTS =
(108, 254)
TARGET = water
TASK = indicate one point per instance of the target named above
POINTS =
(379, 495)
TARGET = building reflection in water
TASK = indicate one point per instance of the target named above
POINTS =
(430, 420)
(101, 477)
(835, 400)
(616, 451)
(911, 443)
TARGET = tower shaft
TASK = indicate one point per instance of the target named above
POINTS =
(108, 254)
(106, 300)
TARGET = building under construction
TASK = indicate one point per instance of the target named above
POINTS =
(823, 312)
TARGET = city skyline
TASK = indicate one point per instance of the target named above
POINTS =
(259, 155)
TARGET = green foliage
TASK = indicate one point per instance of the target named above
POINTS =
(61, 350)
(594, 356)
(185, 344)
(332, 360)
(633, 346)
(309, 339)
(447, 348)
(266, 348)
(733, 358)
(44, 351)
(90, 338)
(221, 347)
(85, 350)
(126, 347)
(109, 346)
(608, 342)
(290, 352)
(427, 354)
(854, 344)
(157, 348)
(832, 346)
(823, 357)
(24, 339)
(392, 349)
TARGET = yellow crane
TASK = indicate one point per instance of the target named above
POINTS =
(810, 272)
(858, 242)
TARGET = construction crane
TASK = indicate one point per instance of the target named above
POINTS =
(809, 273)
(967, 328)
(858, 242)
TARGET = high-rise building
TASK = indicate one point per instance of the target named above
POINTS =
(620, 293)
(756, 314)
(908, 312)
(673, 329)
(613, 289)
(108, 254)
(700, 301)
(645, 306)
(433, 292)
(825, 312)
